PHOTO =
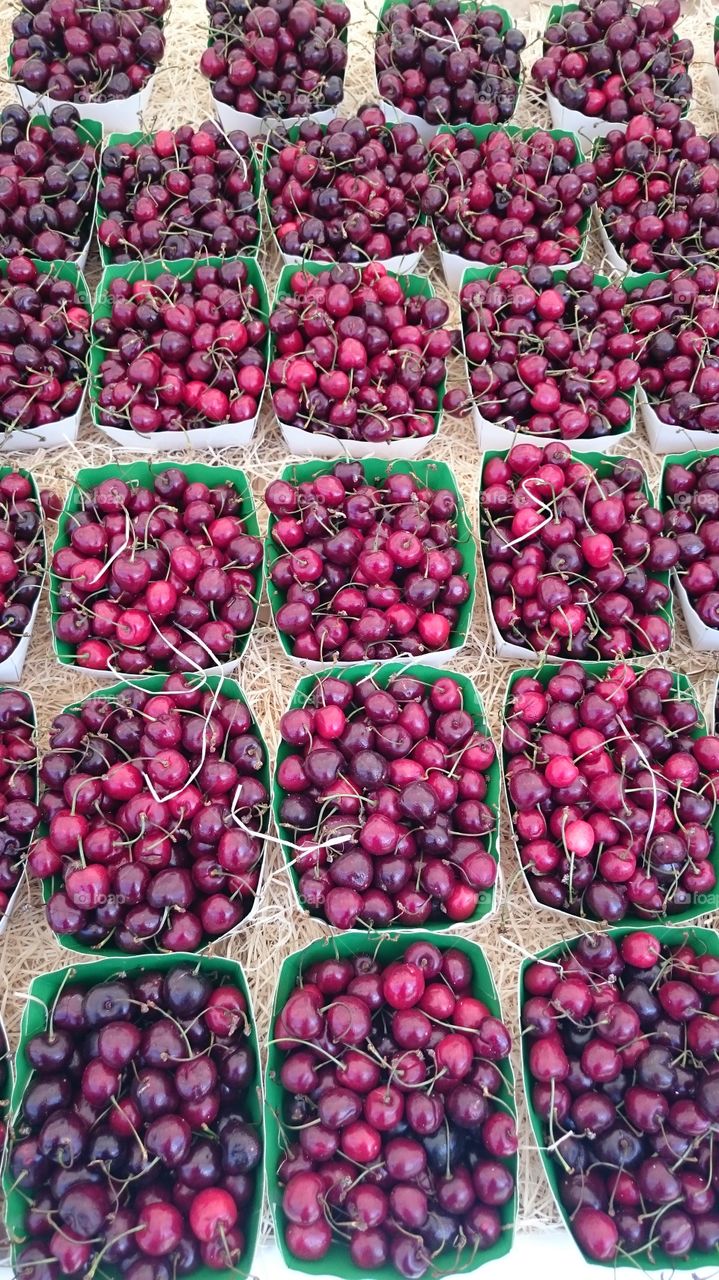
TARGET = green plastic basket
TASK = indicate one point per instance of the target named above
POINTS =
(413, 285)
(465, 6)
(12, 666)
(293, 134)
(182, 268)
(703, 637)
(483, 131)
(25, 438)
(136, 139)
(15, 893)
(384, 948)
(382, 674)
(142, 474)
(44, 991)
(433, 475)
(707, 941)
(490, 274)
(681, 686)
(604, 465)
(87, 131)
(154, 684)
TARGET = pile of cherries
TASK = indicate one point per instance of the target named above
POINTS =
(447, 64)
(44, 341)
(677, 322)
(690, 492)
(47, 184)
(152, 804)
(22, 557)
(509, 199)
(617, 59)
(154, 577)
(18, 809)
(549, 357)
(620, 1055)
(101, 51)
(384, 797)
(178, 195)
(356, 356)
(350, 192)
(576, 558)
(395, 1083)
(181, 351)
(612, 797)
(365, 570)
(659, 194)
(277, 57)
(132, 1148)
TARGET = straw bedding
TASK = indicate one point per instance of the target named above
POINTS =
(180, 94)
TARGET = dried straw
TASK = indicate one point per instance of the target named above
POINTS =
(181, 94)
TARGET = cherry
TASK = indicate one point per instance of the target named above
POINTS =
(173, 337)
(359, 876)
(677, 373)
(630, 1135)
(47, 364)
(646, 234)
(345, 218)
(630, 706)
(96, 1189)
(47, 202)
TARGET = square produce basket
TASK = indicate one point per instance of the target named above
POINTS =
(64, 431)
(453, 264)
(255, 126)
(225, 435)
(662, 1264)
(703, 638)
(682, 686)
(492, 435)
(44, 991)
(587, 127)
(20, 886)
(314, 444)
(142, 474)
(665, 437)
(136, 139)
(433, 475)
(384, 948)
(11, 669)
(400, 264)
(392, 113)
(382, 674)
(89, 131)
(604, 465)
(154, 684)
